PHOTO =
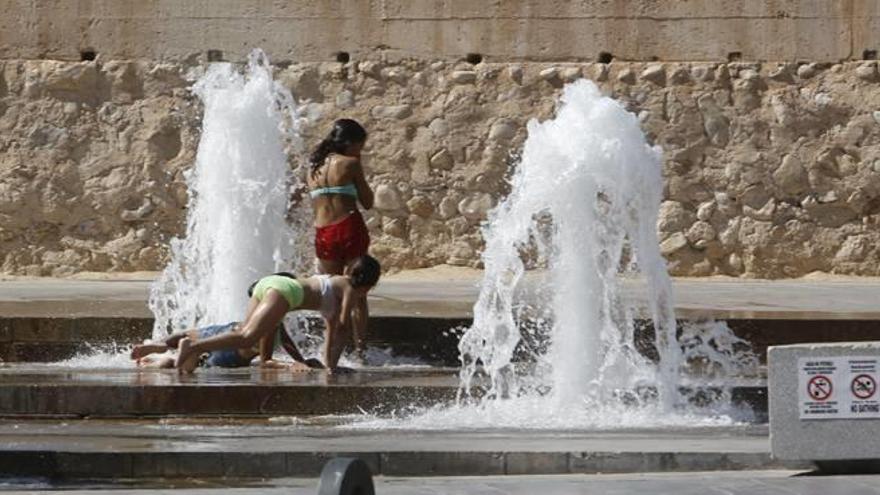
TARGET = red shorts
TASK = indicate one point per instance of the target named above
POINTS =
(344, 240)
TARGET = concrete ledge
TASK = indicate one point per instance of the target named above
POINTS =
(245, 392)
(104, 401)
(796, 436)
(300, 464)
(145, 449)
(37, 392)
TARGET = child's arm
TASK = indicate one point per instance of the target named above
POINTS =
(365, 192)
(334, 344)
(353, 314)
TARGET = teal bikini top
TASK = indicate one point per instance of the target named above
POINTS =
(348, 190)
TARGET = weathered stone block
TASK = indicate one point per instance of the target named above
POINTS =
(627, 76)
(549, 74)
(391, 111)
(442, 160)
(464, 77)
(421, 206)
(476, 206)
(387, 198)
(655, 74)
(867, 72)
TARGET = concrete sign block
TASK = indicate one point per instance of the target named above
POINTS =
(824, 403)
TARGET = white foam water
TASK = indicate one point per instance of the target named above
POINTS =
(237, 227)
(585, 198)
(532, 413)
(98, 356)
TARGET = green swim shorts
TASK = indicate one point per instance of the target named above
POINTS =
(289, 288)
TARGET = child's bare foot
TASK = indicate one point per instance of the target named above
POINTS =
(272, 364)
(186, 362)
(160, 362)
(298, 367)
(142, 350)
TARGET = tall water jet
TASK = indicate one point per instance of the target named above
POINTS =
(237, 227)
(572, 267)
(582, 209)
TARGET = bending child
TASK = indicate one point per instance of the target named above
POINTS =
(335, 296)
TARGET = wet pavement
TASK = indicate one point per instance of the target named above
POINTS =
(299, 446)
(700, 483)
(339, 433)
(847, 298)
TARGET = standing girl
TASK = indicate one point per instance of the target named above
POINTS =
(337, 184)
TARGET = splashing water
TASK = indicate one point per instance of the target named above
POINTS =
(556, 348)
(237, 227)
(586, 196)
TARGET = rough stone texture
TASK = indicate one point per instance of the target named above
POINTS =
(91, 164)
(815, 440)
(767, 173)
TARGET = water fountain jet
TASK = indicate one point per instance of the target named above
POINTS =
(237, 223)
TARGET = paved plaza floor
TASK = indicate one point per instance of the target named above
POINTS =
(701, 483)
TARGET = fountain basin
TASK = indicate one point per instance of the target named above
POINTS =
(35, 391)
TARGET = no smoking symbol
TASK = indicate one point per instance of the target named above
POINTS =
(863, 386)
(819, 387)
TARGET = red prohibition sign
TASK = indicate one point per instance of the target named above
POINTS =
(819, 387)
(863, 386)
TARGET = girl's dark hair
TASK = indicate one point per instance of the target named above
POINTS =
(365, 271)
(345, 132)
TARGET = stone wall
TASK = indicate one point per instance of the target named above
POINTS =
(772, 170)
(500, 30)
